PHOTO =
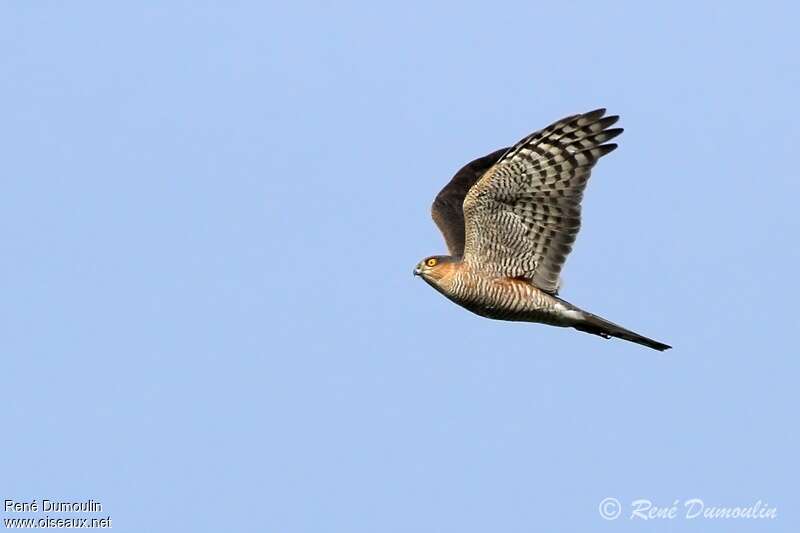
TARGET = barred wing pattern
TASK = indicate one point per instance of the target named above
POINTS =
(522, 216)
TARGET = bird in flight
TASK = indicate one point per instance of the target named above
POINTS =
(509, 220)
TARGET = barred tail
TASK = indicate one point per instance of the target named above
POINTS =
(600, 326)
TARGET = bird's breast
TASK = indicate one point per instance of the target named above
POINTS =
(504, 298)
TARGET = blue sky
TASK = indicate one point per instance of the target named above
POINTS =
(210, 214)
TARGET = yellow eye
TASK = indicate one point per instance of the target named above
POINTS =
(431, 262)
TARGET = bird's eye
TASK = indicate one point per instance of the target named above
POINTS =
(431, 262)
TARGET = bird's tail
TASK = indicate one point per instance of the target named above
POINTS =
(600, 326)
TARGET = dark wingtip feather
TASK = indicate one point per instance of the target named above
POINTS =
(608, 121)
(595, 113)
(606, 148)
(613, 132)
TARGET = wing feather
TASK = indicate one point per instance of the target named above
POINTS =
(448, 210)
(523, 214)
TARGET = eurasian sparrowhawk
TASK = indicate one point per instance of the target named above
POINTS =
(509, 220)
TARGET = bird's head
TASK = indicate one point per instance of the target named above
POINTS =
(433, 269)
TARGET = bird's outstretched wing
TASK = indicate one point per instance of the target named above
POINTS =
(448, 207)
(522, 215)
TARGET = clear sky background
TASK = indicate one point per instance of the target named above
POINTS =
(210, 213)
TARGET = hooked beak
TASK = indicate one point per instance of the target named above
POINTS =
(417, 271)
